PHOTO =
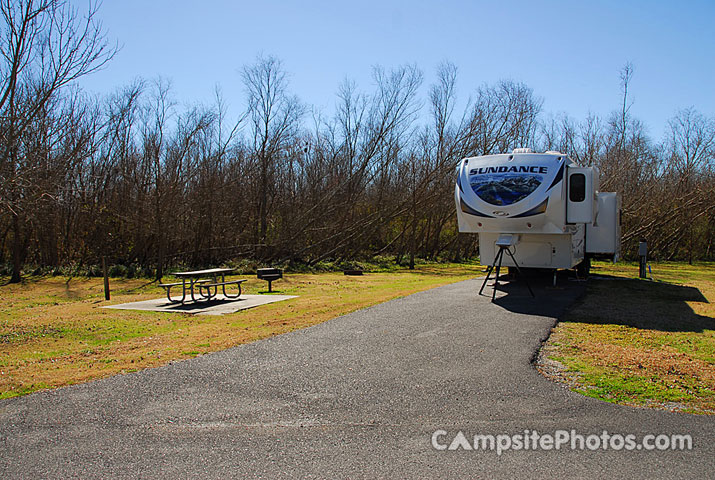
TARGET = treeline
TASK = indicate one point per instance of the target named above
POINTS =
(144, 182)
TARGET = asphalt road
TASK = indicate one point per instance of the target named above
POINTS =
(359, 396)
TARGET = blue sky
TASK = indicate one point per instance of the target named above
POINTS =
(569, 52)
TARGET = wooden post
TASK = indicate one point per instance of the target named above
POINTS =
(106, 278)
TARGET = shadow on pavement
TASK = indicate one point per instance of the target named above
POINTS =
(642, 304)
(610, 300)
(548, 300)
(200, 305)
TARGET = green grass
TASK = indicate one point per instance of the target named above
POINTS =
(640, 342)
(53, 331)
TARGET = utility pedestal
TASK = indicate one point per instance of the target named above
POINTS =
(643, 253)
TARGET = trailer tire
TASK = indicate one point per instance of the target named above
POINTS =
(583, 269)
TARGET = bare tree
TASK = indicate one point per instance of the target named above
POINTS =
(154, 184)
(44, 46)
(691, 143)
(504, 116)
(274, 116)
(691, 151)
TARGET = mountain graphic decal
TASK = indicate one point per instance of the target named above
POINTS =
(503, 189)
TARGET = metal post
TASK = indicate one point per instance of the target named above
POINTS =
(500, 255)
(489, 272)
(643, 253)
(106, 278)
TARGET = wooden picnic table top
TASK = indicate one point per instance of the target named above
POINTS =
(200, 273)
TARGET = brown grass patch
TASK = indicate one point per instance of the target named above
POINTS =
(53, 331)
(640, 343)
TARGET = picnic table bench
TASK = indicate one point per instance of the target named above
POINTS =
(207, 287)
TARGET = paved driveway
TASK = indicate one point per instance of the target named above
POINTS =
(356, 397)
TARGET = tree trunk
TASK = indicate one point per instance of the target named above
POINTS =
(413, 241)
(160, 238)
(16, 250)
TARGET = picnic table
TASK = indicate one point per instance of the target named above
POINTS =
(205, 281)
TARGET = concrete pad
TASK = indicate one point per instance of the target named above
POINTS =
(217, 306)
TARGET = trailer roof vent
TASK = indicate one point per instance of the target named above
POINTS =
(522, 150)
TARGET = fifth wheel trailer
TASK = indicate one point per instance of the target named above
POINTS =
(544, 206)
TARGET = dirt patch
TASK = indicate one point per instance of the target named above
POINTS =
(553, 369)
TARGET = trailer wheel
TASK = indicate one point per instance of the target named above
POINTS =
(583, 269)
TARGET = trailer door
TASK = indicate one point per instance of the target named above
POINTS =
(580, 199)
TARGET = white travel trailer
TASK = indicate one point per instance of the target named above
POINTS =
(544, 208)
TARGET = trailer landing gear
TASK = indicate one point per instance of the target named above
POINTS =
(583, 269)
(497, 262)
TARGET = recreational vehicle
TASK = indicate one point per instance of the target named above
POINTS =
(543, 209)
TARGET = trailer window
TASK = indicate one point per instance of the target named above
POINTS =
(577, 187)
